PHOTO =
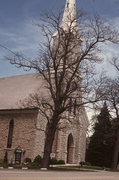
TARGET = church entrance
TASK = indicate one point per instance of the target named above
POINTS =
(70, 149)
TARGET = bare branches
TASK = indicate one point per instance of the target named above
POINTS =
(115, 63)
(111, 94)
(65, 58)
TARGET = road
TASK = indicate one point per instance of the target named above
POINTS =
(56, 175)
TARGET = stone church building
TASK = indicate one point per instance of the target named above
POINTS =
(21, 130)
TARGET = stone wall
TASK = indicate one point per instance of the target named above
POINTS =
(29, 134)
(23, 133)
(39, 136)
(76, 127)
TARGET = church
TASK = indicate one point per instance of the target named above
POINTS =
(21, 129)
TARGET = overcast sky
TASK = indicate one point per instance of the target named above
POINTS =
(18, 33)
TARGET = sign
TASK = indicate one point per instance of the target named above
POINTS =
(52, 155)
(18, 155)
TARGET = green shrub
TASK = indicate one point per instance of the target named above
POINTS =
(28, 160)
(38, 160)
(34, 165)
(82, 163)
(87, 163)
(54, 161)
(5, 165)
(6, 157)
(1, 161)
(61, 162)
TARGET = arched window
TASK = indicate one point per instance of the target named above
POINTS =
(10, 134)
(72, 106)
(67, 4)
(70, 149)
(75, 103)
(73, 86)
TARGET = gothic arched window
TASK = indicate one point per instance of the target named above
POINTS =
(72, 106)
(10, 134)
(67, 4)
(75, 105)
(73, 86)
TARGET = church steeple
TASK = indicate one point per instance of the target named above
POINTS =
(69, 16)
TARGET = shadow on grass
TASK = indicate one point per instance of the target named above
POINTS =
(69, 168)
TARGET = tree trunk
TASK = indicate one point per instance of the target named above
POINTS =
(51, 129)
(116, 152)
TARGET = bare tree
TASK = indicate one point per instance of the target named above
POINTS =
(65, 63)
(115, 63)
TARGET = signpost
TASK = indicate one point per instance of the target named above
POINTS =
(18, 155)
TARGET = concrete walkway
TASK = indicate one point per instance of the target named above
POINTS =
(56, 175)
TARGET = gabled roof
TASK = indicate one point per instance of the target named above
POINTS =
(17, 88)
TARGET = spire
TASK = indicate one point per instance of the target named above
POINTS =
(69, 15)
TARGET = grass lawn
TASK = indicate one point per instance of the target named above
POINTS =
(71, 168)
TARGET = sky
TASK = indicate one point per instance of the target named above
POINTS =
(19, 34)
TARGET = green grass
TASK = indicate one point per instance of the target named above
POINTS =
(69, 168)
(93, 167)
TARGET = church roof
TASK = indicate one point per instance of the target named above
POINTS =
(17, 88)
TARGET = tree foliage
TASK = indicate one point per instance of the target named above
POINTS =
(110, 91)
(101, 144)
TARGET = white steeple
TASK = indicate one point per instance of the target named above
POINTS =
(69, 16)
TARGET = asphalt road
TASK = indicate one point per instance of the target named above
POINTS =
(56, 175)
